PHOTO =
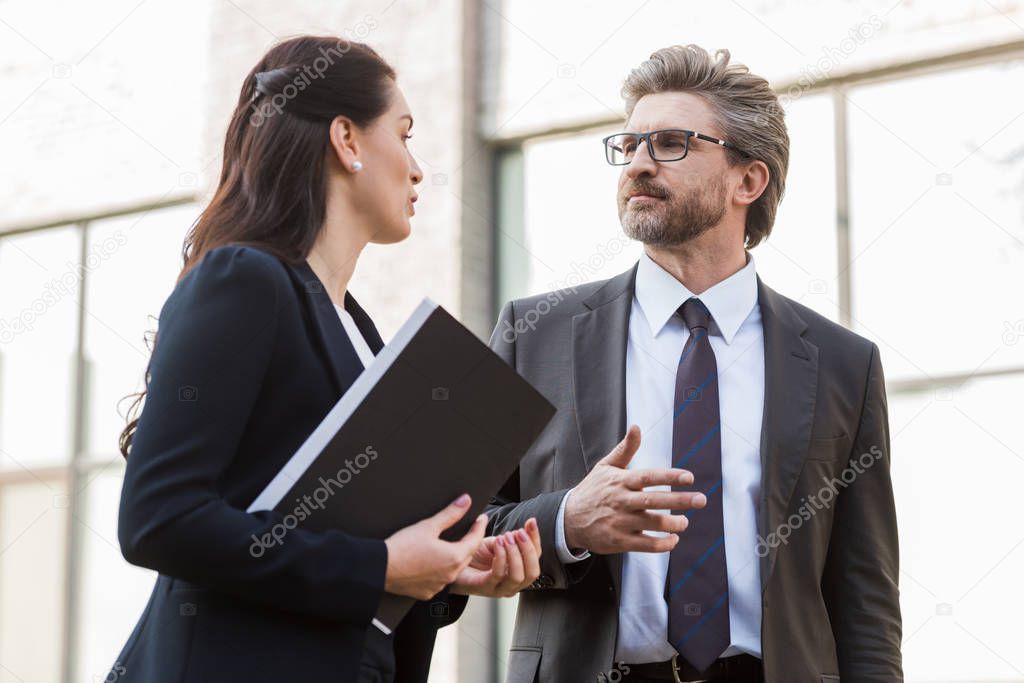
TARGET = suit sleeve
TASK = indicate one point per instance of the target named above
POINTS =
(214, 343)
(507, 510)
(860, 582)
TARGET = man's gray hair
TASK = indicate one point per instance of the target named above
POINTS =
(746, 110)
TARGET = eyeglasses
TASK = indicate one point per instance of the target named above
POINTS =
(662, 145)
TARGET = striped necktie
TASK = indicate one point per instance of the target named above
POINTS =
(696, 587)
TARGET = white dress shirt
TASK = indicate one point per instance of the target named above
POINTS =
(355, 336)
(656, 338)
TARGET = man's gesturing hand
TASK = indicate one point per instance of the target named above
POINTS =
(609, 510)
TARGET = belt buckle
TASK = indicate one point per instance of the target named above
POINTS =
(675, 672)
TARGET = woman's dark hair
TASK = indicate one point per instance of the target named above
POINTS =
(271, 192)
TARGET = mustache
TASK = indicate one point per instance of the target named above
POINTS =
(644, 188)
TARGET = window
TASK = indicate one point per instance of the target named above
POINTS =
(937, 265)
(798, 259)
(566, 229)
(38, 319)
(76, 301)
(937, 221)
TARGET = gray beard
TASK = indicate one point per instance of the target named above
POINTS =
(677, 219)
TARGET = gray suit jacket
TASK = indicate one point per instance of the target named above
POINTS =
(829, 572)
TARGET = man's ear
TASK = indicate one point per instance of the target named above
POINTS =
(752, 184)
(344, 136)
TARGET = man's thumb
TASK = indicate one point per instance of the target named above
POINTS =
(624, 451)
(452, 513)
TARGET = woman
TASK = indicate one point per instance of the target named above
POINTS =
(256, 343)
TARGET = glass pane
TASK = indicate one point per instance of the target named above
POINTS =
(799, 257)
(33, 526)
(113, 592)
(506, 625)
(572, 232)
(937, 220)
(445, 660)
(512, 258)
(137, 260)
(958, 460)
(39, 292)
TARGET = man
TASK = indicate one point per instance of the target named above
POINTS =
(762, 428)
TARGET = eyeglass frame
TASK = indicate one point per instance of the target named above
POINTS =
(646, 137)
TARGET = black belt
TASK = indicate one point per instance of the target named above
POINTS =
(678, 670)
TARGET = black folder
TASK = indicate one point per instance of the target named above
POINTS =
(435, 414)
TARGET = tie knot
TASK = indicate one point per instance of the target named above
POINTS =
(695, 314)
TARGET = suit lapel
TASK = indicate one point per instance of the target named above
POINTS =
(791, 381)
(599, 375)
(333, 340)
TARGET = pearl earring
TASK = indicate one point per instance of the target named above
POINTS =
(357, 165)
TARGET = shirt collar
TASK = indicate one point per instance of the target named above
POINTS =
(730, 301)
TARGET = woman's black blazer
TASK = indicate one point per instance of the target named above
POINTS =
(250, 355)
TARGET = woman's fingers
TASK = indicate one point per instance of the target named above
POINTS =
(534, 531)
(516, 571)
(468, 544)
(499, 565)
(483, 557)
(450, 514)
(531, 558)
(504, 565)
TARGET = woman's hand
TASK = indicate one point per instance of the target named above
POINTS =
(502, 565)
(420, 564)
